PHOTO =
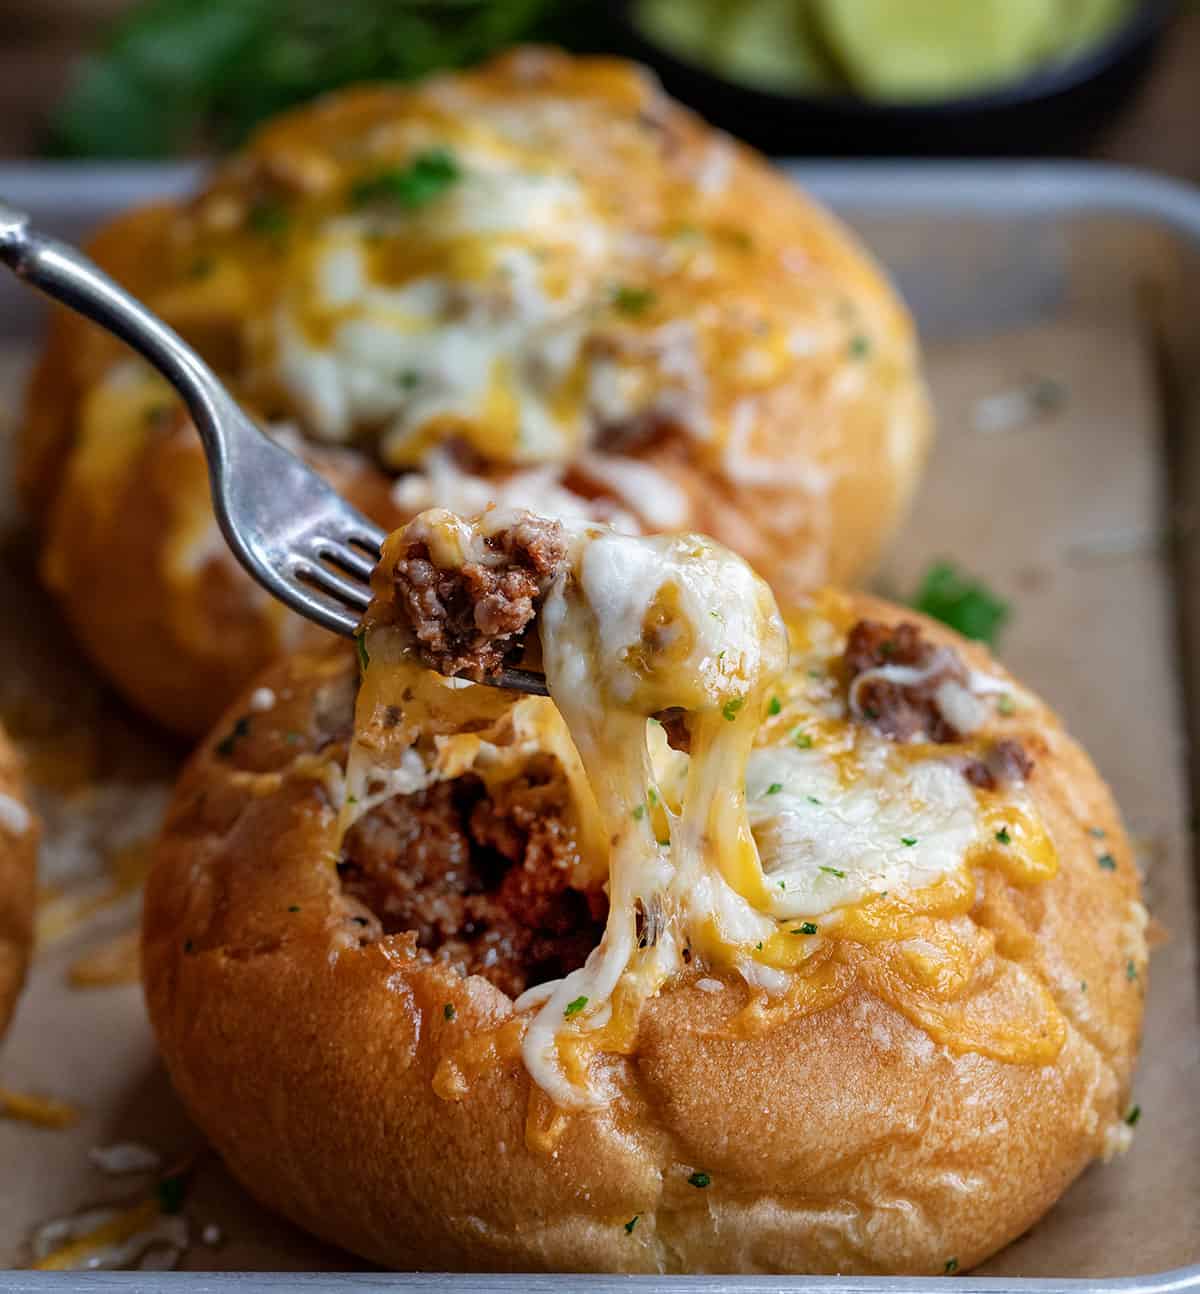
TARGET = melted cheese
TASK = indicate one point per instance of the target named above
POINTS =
(793, 846)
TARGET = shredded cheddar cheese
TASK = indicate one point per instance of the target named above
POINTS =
(792, 846)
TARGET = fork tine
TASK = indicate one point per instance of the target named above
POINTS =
(348, 591)
(346, 557)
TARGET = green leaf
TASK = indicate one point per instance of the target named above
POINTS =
(575, 1006)
(963, 603)
(411, 187)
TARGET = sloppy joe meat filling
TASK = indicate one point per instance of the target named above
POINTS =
(484, 880)
(469, 619)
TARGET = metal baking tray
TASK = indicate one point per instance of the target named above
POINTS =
(1014, 272)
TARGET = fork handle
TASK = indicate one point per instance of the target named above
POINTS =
(63, 272)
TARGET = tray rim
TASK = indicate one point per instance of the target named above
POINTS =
(1026, 189)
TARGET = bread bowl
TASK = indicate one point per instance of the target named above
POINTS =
(855, 986)
(18, 878)
(540, 281)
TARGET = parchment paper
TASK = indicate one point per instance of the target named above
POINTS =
(1063, 514)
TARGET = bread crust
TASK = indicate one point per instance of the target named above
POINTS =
(847, 414)
(18, 880)
(843, 1140)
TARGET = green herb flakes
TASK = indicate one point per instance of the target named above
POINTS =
(360, 646)
(652, 795)
(774, 788)
(951, 1266)
(293, 907)
(949, 595)
(1097, 833)
(731, 707)
(1107, 862)
(189, 947)
(633, 1221)
(833, 871)
(1005, 705)
(806, 929)
(908, 841)
(812, 799)
(1003, 837)
(803, 740)
(632, 300)
(201, 267)
(639, 813)
(1130, 970)
(1135, 1113)
(268, 219)
(449, 1012)
(860, 346)
(774, 706)
(700, 1180)
(410, 187)
(574, 1007)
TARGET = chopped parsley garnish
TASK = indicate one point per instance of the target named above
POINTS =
(633, 1221)
(364, 656)
(700, 1180)
(774, 706)
(224, 747)
(189, 946)
(1130, 970)
(951, 1266)
(812, 799)
(652, 795)
(1083, 986)
(860, 346)
(269, 219)
(774, 788)
(408, 380)
(1108, 862)
(639, 813)
(1135, 1113)
(1096, 833)
(574, 1008)
(758, 946)
(352, 799)
(732, 706)
(157, 414)
(908, 841)
(1003, 837)
(806, 929)
(631, 300)
(293, 907)
(833, 871)
(783, 885)
(448, 1011)
(664, 842)
(201, 267)
(963, 603)
(1006, 705)
(170, 1192)
(802, 739)
(416, 185)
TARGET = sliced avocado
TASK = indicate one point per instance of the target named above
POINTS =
(772, 45)
(686, 28)
(1087, 22)
(928, 49)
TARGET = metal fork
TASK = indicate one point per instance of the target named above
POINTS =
(287, 526)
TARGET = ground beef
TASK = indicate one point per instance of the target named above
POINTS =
(1005, 763)
(470, 622)
(902, 711)
(484, 882)
(905, 712)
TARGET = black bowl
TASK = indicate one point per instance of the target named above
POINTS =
(1054, 110)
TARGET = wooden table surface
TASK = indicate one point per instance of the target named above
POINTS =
(1160, 128)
